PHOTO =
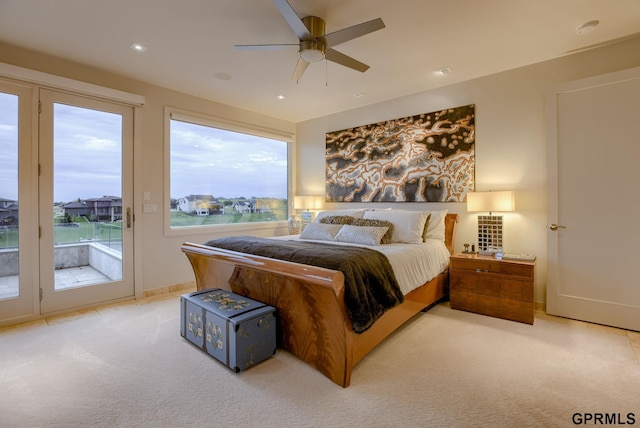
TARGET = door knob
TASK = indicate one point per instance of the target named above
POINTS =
(555, 227)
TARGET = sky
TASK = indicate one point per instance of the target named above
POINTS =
(8, 146)
(87, 157)
(228, 164)
(87, 153)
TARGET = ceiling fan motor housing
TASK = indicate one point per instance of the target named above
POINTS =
(315, 25)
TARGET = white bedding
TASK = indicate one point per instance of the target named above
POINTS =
(413, 264)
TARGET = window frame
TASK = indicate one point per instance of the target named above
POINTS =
(228, 125)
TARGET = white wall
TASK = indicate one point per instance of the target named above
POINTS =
(510, 141)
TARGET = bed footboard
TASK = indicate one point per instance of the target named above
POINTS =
(312, 320)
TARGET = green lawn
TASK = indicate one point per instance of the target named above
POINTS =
(88, 231)
(67, 234)
(181, 219)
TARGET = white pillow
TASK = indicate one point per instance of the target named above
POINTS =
(320, 231)
(435, 229)
(408, 226)
(357, 213)
(366, 235)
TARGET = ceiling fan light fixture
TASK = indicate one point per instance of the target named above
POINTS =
(311, 55)
(311, 51)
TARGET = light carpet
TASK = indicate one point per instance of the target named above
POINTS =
(127, 366)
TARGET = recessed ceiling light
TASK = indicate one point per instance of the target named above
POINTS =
(587, 27)
(444, 70)
(138, 47)
(358, 94)
(281, 97)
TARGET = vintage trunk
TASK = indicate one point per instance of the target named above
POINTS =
(237, 331)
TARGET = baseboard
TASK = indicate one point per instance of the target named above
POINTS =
(185, 286)
(540, 306)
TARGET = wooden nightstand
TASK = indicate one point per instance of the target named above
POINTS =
(499, 288)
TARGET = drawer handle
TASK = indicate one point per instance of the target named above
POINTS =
(482, 270)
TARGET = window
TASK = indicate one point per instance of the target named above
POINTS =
(225, 174)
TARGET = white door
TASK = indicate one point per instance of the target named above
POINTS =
(85, 201)
(18, 205)
(594, 200)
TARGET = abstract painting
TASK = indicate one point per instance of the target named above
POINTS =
(428, 157)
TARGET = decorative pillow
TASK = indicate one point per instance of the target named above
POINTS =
(357, 213)
(337, 219)
(320, 231)
(366, 235)
(386, 239)
(408, 226)
(435, 229)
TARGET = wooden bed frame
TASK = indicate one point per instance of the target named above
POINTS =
(313, 323)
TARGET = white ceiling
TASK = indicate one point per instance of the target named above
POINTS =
(190, 44)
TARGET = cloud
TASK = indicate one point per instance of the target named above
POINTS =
(87, 153)
(202, 157)
(8, 146)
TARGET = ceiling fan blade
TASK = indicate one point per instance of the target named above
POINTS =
(353, 32)
(347, 61)
(272, 47)
(292, 19)
(301, 67)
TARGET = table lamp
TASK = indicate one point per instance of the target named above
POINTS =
(308, 203)
(490, 226)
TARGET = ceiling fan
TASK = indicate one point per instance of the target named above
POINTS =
(314, 45)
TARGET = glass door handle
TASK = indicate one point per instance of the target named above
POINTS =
(555, 227)
(128, 218)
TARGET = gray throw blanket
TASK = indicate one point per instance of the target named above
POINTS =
(370, 284)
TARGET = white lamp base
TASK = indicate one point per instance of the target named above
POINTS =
(306, 217)
(489, 234)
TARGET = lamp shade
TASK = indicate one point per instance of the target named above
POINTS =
(308, 202)
(490, 201)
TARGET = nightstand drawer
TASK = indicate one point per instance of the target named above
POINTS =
(494, 266)
(490, 284)
(514, 310)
